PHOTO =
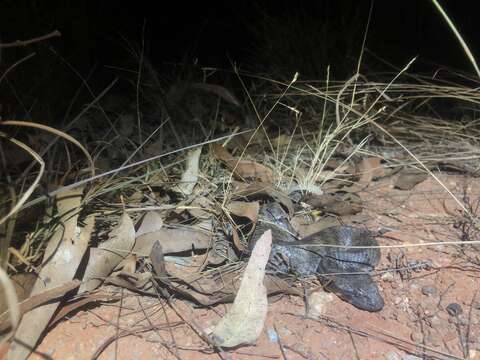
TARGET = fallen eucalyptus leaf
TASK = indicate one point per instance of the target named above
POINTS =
(150, 222)
(63, 254)
(244, 321)
(190, 176)
(109, 254)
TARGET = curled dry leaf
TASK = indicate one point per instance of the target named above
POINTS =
(244, 322)
(109, 254)
(63, 254)
(245, 169)
(244, 209)
(173, 240)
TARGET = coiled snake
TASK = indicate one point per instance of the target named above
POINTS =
(343, 271)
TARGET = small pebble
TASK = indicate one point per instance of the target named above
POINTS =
(411, 357)
(388, 277)
(272, 335)
(397, 300)
(392, 355)
(429, 290)
(416, 336)
(454, 309)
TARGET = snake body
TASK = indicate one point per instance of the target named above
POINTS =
(344, 271)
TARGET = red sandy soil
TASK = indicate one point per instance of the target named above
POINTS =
(415, 316)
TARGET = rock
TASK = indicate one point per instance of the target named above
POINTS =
(317, 303)
(388, 277)
(454, 309)
(429, 290)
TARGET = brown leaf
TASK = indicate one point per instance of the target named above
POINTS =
(409, 178)
(243, 168)
(258, 191)
(151, 221)
(244, 209)
(247, 210)
(369, 168)
(109, 254)
(173, 240)
(39, 299)
(83, 300)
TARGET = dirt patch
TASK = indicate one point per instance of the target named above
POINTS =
(431, 301)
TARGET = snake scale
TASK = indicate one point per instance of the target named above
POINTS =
(343, 271)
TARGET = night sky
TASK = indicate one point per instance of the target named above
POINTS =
(215, 33)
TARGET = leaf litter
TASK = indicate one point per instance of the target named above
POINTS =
(194, 222)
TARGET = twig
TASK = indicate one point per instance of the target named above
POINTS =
(20, 43)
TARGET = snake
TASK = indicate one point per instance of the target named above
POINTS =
(343, 270)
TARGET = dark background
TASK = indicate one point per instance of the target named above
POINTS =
(219, 33)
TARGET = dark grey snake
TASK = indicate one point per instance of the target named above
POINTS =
(344, 271)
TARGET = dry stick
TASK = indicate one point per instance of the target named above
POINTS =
(280, 345)
(20, 43)
(467, 332)
(125, 333)
(168, 322)
(377, 335)
(119, 315)
(162, 341)
(196, 327)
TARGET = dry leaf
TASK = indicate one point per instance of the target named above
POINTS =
(244, 209)
(201, 207)
(338, 204)
(244, 321)
(173, 240)
(39, 299)
(78, 302)
(243, 168)
(150, 222)
(258, 191)
(109, 254)
(408, 179)
(369, 168)
(62, 256)
(248, 210)
(190, 176)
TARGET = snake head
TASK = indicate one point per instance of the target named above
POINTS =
(358, 290)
